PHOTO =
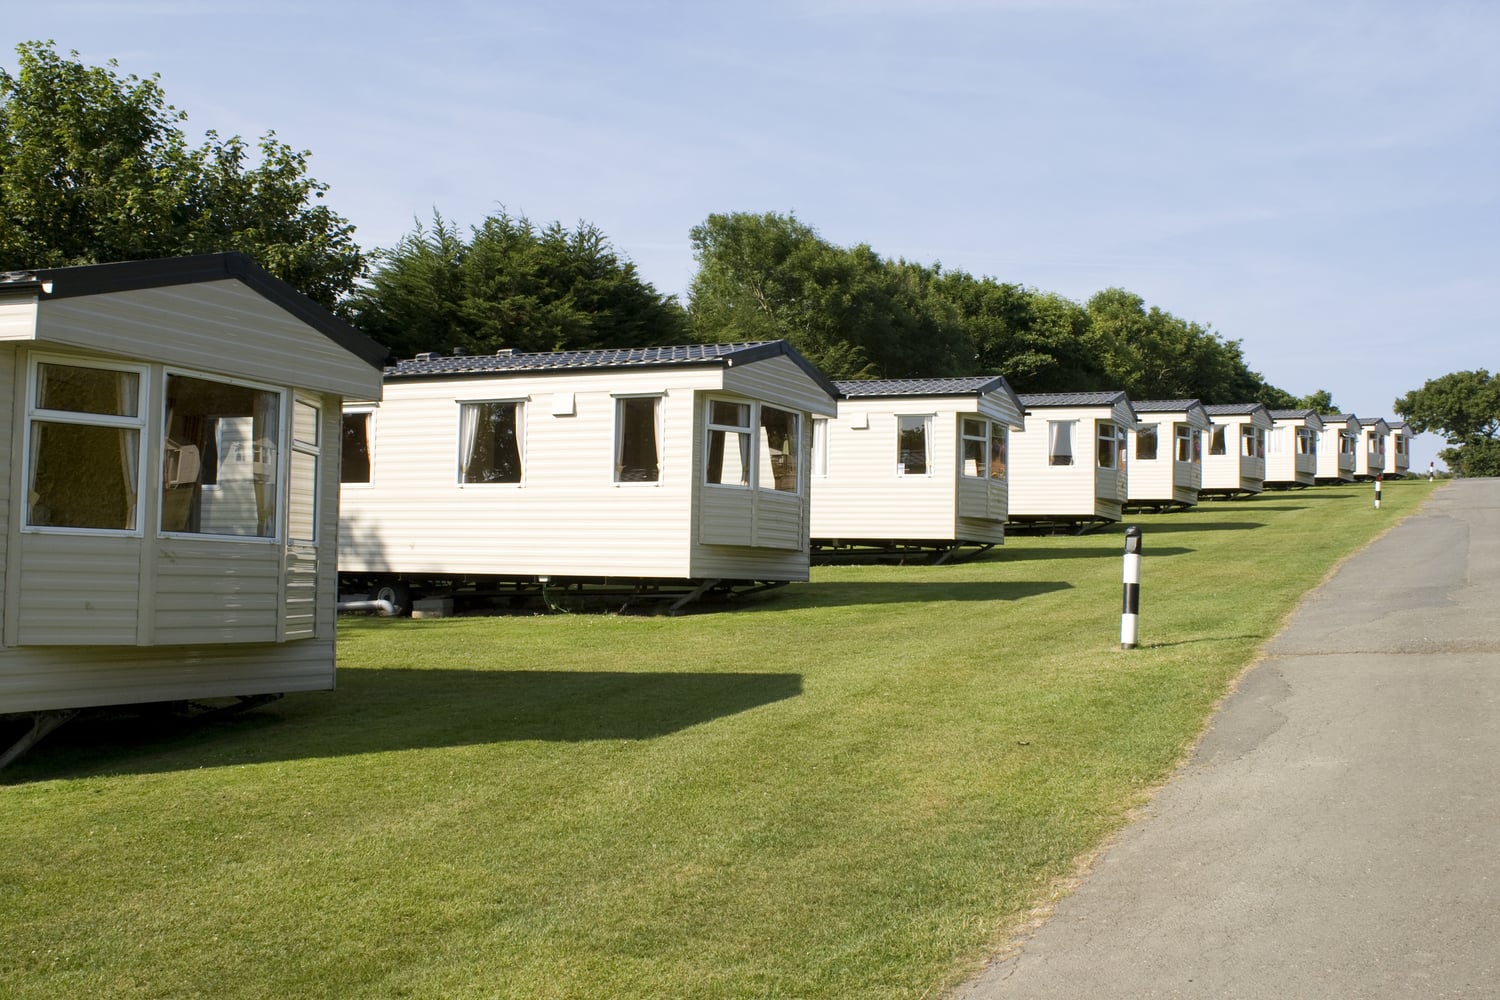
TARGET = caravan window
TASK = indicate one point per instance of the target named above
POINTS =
(1216, 443)
(912, 437)
(302, 473)
(1307, 444)
(1253, 441)
(84, 446)
(489, 442)
(1060, 442)
(1109, 445)
(1145, 443)
(779, 431)
(729, 437)
(820, 447)
(200, 414)
(358, 445)
(638, 439)
(1189, 444)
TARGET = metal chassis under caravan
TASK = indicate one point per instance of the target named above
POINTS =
(439, 596)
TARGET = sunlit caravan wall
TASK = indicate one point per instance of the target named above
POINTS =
(1234, 460)
(1165, 452)
(1398, 449)
(171, 482)
(1069, 466)
(1292, 448)
(913, 464)
(1370, 456)
(1338, 441)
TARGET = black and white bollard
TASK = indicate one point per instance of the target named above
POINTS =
(1132, 612)
(1377, 492)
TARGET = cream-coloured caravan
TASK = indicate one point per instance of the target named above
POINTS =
(1370, 456)
(1070, 464)
(1166, 453)
(1398, 449)
(1234, 463)
(1292, 448)
(665, 466)
(1338, 440)
(170, 486)
(913, 465)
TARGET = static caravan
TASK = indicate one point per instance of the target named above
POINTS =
(1235, 462)
(1292, 449)
(1338, 440)
(1166, 453)
(170, 492)
(1069, 466)
(913, 465)
(1398, 449)
(644, 470)
(1370, 456)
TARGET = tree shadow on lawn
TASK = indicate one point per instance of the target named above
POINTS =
(1148, 528)
(1114, 551)
(380, 710)
(854, 593)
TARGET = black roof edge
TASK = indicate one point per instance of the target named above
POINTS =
(162, 272)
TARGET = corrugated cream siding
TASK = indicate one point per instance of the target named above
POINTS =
(9, 458)
(195, 326)
(213, 590)
(18, 317)
(1038, 489)
(38, 678)
(1151, 479)
(862, 497)
(567, 518)
(779, 381)
(77, 589)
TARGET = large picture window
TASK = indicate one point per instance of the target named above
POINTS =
(199, 413)
(912, 441)
(489, 442)
(1307, 443)
(85, 447)
(637, 439)
(1188, 443)
(1253, 442)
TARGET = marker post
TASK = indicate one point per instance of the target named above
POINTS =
(1131, 615)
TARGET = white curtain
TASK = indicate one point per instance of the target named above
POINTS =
(1060, 442)
(128, 393)
(468, 428)
(266, 431)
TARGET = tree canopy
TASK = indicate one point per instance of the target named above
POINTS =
(511, 284)
(855, 314)
(1464, 407)
(95, 167)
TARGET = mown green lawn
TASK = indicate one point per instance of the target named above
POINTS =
(855, 787)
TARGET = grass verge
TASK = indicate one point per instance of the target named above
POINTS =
(857, 787)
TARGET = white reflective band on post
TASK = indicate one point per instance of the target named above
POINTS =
(1131, 615)
(1377, 493)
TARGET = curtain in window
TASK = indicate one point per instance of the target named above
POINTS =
(266, 431)
(128, 392)
(1060, 442)
(468, 438)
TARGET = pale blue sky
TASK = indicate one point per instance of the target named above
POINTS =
(1313, 179)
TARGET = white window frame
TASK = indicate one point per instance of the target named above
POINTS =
(139, 423)
(1060, 432)
(369, 413)
(304, 447)
(659, 430)
(283, 436)
(926, 422)
(459, 471)
(1107, 430)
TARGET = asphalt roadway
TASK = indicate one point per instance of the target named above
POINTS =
(1336, 834)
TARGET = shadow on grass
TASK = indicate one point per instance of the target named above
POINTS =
(838, 593)
(1113, 551)
(1149, 527)
(375, 711)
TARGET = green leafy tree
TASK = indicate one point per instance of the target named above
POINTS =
(849, 311)
(1039, 341)
(511, 285)
(1464, 407)
(94, 167)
